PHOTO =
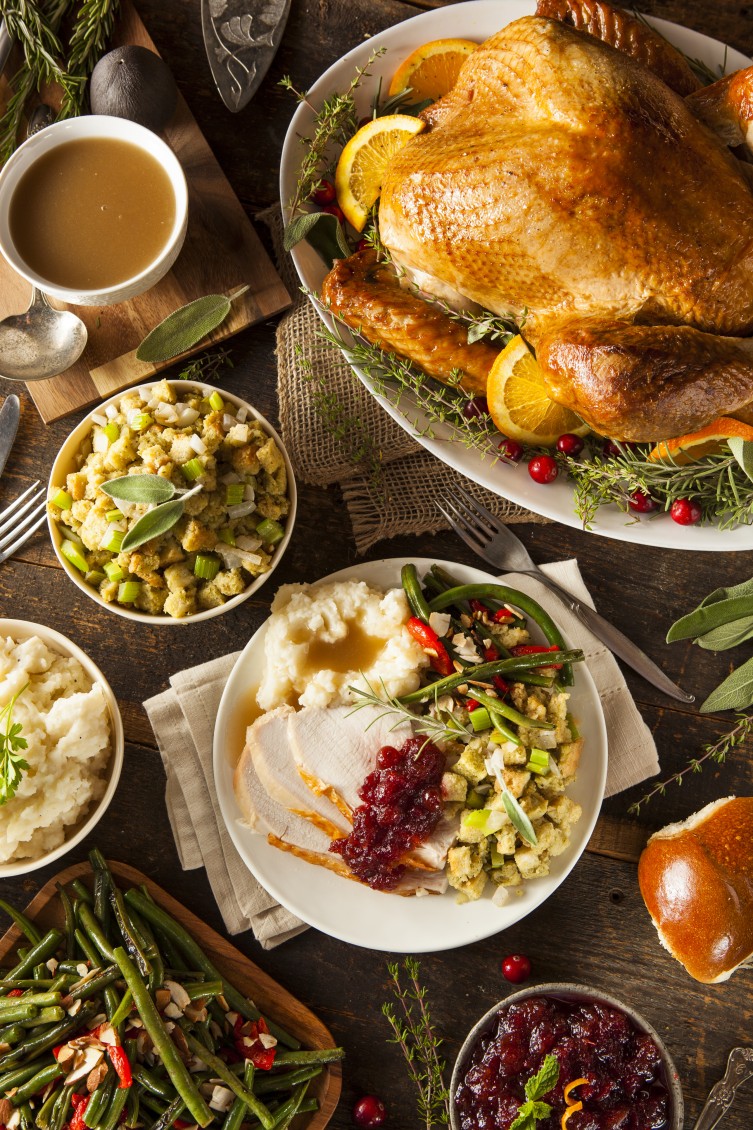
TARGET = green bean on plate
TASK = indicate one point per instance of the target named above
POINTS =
(106, 1024)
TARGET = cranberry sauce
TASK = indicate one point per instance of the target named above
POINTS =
(623, 1066)
(402, 807)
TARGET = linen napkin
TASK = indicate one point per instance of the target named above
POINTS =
(183, 722)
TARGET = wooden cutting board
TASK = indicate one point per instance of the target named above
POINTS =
(222, 252)
(269, 997)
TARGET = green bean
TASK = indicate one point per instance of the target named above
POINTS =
(234, 1117)
(25, 925)
(169, 1115)
(220, 1068)
(119, 1099)
(17, 1077)
(100, 1101)
(31, 983)
(35, 1045)
(160, 1037)
(148, 943)
(414, 596)
(502, 667)
(93, 927)
(70, 920)
(301, 1058)
(82, 891)
(123, 1011)
(36, 1083)
(132, 1106)
(507, 595)
(101, 908)
(152, 1104)
(83, 989)
(204, 989)
(60, 1109)
(289, 1079)
(40, 952)
(37, 999)
(162, 1088)
(433, 584)
(18, 1011)
(167, 925)
(289, 1109)
(45, 1016)
(11, 1034)
(130, 939)
(45, 1112)
(497, 706)
(27, 1117)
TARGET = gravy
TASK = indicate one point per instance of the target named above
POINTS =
(92, 213)
(357, 651)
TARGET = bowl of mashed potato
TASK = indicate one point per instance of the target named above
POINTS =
(71, 724)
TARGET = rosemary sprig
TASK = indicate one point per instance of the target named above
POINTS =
(29, 26)
(444, 726)
(206, 366)
(334, 123)
(413, 1032)
(91, 32)
(714, 751)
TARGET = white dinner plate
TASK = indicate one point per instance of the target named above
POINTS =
(373, 919)
(478, 19)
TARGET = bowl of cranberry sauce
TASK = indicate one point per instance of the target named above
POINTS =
(611, 1062)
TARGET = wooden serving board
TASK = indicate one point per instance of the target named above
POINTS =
(269, 997)
(222, 252)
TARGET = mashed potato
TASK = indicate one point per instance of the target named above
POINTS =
(321, 639)
(66, 723)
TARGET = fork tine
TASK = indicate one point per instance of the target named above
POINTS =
(12, 525)
(464, 531)
(24, 537)
(9, 510)
(474, 520)
(481, 512)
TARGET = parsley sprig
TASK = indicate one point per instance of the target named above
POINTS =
(533, 1110)
(12, 763)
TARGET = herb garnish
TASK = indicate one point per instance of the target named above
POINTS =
(186, 326)
(206, 367)
(444, 726)
(156, 491)
(540, 1084)
(415, 1036)
(12, 764)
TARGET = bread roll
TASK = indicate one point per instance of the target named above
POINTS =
(696, 879)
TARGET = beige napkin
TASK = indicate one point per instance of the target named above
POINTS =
(183, 722)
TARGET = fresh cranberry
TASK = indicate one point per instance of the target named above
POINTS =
(324, 194)
(364, 121)
(642, 503)
(369, 1111)
(516, 968)
(569, 444)
(511, 449)
(336, 211)
(476, 408)
(685, 511)
(543, 469)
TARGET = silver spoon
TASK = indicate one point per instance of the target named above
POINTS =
(41, 342)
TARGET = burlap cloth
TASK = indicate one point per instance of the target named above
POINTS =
(183, 721)
(315, 382)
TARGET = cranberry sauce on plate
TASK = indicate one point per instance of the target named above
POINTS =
(625, 1088)
(402, 807)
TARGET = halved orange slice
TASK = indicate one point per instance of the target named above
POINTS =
(364, 160)
(431, 71)
(518, 401)
(706, 441)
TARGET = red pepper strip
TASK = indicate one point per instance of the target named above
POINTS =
(77, 1122)
(534, 649)
(119, 1060)
(430, 641)
(77, 1099)
(490, 654)
(471, 704)
(502, 616)
(500, 685)
(16, 993)
(179, 1124)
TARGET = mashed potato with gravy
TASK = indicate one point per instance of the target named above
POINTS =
(321, 639)
(66, 724)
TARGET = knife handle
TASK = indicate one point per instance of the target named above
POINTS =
(617, 642)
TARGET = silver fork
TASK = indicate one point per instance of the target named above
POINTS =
(21, 519)
(490, 539)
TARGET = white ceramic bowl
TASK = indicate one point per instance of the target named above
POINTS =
(22, 630)
(95, 126)
(65, 463)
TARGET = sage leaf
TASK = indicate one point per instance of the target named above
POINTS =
(153, 523)
(743, 589)
(518, 818)
(709, 616)
(742, 449)
(323, 231)
(735, 693)
(182, 329)
(140, 488)
(727, 635)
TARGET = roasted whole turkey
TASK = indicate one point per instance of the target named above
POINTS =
(564, 178)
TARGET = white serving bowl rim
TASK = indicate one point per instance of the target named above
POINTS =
(105, 126)
(25, 629)
(570, 990)
(64, 464)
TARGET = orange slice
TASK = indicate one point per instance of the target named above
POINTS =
(432, 70)
(518, 400)
(363, 162)
(707, 441)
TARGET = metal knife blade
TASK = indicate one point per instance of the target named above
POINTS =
(241, 38)
(10, 414)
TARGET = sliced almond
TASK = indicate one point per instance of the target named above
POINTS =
(162, 998)
(95, 1077)
(90, 1058)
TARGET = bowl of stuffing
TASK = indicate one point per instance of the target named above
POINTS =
(580, 1051)
(171, 503)
(63, 746)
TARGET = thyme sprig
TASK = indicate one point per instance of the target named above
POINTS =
(414, 1033)
(717, 752)
(718, 483)
(206, 366)
(334, 124)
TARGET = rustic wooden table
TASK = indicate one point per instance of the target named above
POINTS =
(595, 929)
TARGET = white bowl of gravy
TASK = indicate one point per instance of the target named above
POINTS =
(93, 210)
